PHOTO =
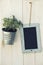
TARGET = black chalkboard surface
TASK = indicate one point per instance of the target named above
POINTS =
(30, 38)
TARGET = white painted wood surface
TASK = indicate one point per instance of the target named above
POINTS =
(12, 55)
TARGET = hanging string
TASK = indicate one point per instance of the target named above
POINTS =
(30, 12)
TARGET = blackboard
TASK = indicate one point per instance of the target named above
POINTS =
(30, 37)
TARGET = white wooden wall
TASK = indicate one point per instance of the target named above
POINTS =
(12, 55)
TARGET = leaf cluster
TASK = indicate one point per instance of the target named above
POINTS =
(12, 23)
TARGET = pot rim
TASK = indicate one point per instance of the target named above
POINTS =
(3, 29)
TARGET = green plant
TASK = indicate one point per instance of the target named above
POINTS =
(11, 23)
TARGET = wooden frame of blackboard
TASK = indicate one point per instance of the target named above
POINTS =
(38, 37)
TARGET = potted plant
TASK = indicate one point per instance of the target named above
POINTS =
(10, 28)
